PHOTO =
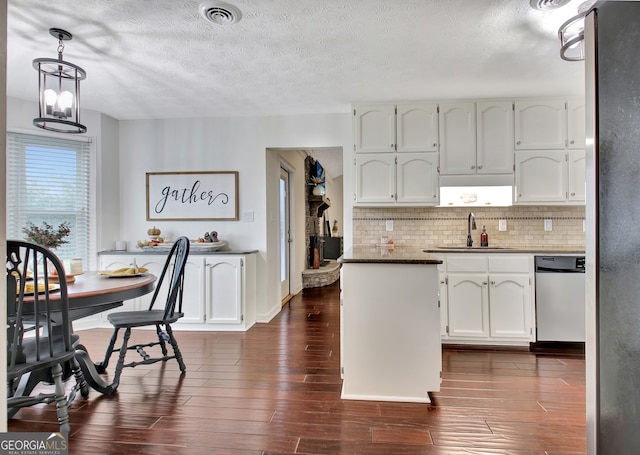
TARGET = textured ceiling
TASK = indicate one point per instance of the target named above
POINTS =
(161, 59)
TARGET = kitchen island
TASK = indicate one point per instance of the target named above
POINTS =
(390, 325)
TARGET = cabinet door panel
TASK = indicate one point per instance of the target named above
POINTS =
(375, 129)
(495, 138)
(541, 176)
(467, 299)
(417, 177)
(576, 123)
(457, 128)
(540, 124)
(224, 290)
(510, 297)
(417, 127)
(375, 178)
(577, 176)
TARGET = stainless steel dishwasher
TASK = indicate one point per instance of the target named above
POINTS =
(560, 300)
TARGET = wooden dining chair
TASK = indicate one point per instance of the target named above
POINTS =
(40, 342)
(173, 276)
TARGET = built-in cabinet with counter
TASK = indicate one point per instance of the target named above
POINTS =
(220, 290)
(396, 158)
(390, 346)
(487, 299)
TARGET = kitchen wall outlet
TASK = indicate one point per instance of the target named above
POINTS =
(389, 225)
(502, 225)
(247, 215)
(548, 225)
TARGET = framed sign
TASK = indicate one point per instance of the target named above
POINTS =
(192, 196)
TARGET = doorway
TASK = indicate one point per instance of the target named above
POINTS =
(285, 237)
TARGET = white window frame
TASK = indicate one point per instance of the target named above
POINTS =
(91, 253)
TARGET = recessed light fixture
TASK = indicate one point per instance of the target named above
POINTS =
(546, 5)
(220, 13)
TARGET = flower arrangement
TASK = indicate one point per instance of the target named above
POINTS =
(47, 236)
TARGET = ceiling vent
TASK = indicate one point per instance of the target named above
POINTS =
(220, 13)
(546, 5)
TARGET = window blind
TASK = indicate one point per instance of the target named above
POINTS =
(48, 179)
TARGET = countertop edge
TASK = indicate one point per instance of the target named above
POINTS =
(165, 252)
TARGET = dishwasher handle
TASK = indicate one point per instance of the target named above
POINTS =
(555, 270)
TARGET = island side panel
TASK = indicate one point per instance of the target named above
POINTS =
(391, 332)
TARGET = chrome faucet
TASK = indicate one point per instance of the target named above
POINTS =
(471, 224)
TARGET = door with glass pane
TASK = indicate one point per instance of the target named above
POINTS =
(285, 237)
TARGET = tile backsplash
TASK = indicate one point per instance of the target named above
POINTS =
(434, 226)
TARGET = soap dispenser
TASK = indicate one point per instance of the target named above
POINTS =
(484, 237)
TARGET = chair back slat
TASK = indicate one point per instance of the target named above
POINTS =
(33, 316)
(173, 274)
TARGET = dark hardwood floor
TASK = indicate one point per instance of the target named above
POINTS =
(276, 390)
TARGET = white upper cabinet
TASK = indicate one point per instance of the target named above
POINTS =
(541, 176)
(417, 178)
(457, 127)
(390, 179)
(494, 137)
(476, 138)
(417, 127)
(375, 128)
(540, 124)
(389, 128)
(375, 178)
(576, 122)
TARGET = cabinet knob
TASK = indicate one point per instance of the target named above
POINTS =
(392, 145)
(484, 283)
(573, 194)
(435, 144)
(572, 141)
(518, 143)
(519, 194)
(493, 282)
(480, 167)
(473, 166)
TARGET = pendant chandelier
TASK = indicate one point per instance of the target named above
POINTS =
(59, 90)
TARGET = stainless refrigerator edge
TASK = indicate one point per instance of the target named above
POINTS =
(612, 88)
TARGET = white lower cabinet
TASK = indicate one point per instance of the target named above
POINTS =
(219, 292)
(487, 299)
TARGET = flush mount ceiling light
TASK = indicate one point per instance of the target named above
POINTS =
(546, 5)
(571, 34)
(220, 13)
(59, 90)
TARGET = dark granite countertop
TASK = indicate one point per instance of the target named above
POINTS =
(384, 255)
(521, 250)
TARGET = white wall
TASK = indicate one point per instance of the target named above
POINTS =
(126, 150)
(223, 144)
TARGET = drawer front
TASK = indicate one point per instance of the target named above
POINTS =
(510, 264)
(467, 263)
